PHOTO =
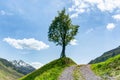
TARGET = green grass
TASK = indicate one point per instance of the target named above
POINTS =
(50, 71)
(111, 67)
(77, 74)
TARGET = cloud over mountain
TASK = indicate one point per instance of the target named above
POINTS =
(36, 64)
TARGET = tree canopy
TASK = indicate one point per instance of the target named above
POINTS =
(62, 31)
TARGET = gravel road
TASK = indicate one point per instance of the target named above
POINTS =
(88, 73)
(85, 70)
(67, 74)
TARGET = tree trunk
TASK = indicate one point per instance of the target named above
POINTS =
(63, 51)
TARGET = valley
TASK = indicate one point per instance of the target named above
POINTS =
(67, 69)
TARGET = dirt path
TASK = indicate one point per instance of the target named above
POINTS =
(67, 73)
(84, 70)
(88, 73)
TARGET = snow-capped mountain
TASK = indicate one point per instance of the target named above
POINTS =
(22, 66)
(19, 63)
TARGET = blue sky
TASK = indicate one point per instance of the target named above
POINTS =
(24, 26)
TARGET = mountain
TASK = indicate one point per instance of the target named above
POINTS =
(50, 71)
(7, 72)
(106, 55)
(12, 70)
(22, 67)
(108, 69)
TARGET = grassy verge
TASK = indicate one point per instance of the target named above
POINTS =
(77, 74)
(109, 68)
(50, 71)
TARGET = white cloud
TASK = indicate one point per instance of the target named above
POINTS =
(116, 17)
(36, 64)
(78, 8)
(73, 42)
(75, 15)
(89, 30)
(110, 26)
(2, 12)
(30, 44)
(87, 5)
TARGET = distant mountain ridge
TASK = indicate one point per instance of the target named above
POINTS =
(106, 55)
(7, 72)
(19, 63)
(19, 66)
(22, 67)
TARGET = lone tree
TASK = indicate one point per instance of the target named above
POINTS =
(62, 31)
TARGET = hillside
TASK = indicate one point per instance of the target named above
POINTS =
(12, 70)
(19, 66)
(106, 55)
(7, 73)
(50, 71)
(108, 69)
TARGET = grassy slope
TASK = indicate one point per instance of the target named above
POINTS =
(50, 71)
(7, 73)
(23, 70)
(111, 67)
(106, 55)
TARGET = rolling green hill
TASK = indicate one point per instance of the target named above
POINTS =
(50, 71)
(106, 55)
(109, 68)
(7, 73)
